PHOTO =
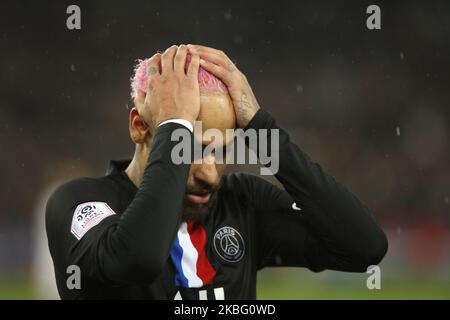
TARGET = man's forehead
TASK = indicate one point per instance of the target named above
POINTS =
(214, 136)
(217, 112)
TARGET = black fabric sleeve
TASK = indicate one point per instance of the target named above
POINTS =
(315, 222)
(132, 247)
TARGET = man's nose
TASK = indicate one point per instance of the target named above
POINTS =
(206, 174)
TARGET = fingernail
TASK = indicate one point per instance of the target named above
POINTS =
(203, 61)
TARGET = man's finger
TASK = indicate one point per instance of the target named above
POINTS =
(197, 47)
(153, 70)
(220, 60)
(213, 55)
(180, 59)
(167, 60)
(192, 71)
(153, 65)
(219, 71)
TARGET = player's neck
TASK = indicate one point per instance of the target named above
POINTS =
(136, 168)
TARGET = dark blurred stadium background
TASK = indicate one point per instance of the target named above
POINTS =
(370, 106)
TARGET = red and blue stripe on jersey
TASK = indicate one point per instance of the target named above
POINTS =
(188, 255)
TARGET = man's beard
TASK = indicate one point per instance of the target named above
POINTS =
(198, 212)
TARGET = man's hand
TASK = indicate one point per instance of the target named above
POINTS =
(217, 62)
(171, 93)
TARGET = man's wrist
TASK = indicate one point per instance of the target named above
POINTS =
(261, 120)
(186, 123)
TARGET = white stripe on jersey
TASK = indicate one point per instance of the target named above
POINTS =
(190, 257)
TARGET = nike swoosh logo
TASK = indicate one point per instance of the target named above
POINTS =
(294, 206)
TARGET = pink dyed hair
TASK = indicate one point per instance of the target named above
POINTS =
(208, 83)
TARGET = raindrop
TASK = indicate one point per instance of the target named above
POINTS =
(397, 130)
(227, 15)
(72, 67)
(237, 39)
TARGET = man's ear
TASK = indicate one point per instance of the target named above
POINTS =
(138, 128)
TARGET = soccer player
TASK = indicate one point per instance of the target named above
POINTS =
(153, 229)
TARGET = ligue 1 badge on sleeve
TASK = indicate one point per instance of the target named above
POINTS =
(229, 244)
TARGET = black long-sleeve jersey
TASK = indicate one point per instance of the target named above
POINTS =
(124, 239)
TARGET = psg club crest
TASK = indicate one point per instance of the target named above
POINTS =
(229, 244)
